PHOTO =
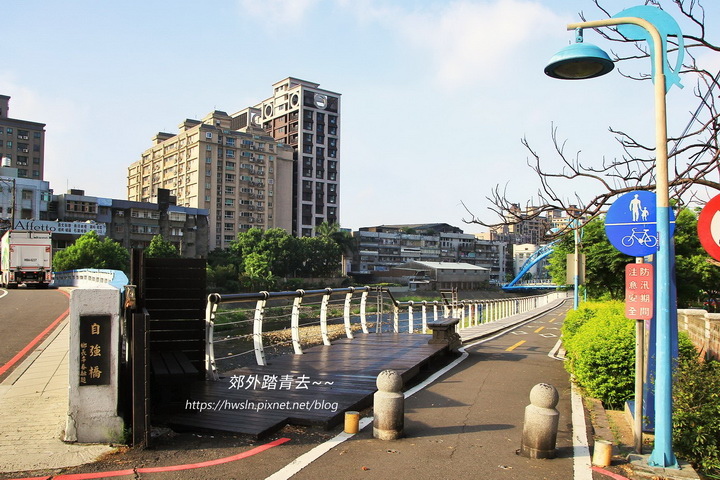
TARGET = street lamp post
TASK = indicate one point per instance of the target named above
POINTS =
(569, 64)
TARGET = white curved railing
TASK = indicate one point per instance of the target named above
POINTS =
(89, 277)
(244, 318)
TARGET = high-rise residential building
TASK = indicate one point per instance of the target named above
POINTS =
(306, 117)
(274, 164)
(242, 176)
(22, 142)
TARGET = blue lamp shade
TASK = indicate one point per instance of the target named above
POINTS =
(578, 61)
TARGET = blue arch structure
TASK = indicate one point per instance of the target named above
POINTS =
(536, 257)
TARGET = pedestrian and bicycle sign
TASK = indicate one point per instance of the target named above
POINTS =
(631, 225)
(708, 227)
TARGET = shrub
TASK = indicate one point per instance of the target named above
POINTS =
(601, 352)
(696, 414)
(577, 318)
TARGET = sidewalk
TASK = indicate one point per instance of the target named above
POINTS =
(33, 402)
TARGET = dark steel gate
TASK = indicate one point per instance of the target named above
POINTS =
(166, 334)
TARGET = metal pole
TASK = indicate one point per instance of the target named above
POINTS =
(639, 379)
(576, 291)
(662, 455)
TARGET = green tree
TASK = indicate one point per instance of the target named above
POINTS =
(257, 274)
(279, 249)
(89, 251)
(696, 275)
(346, 242)
(604, 264)
(321, 256)
(161, 248)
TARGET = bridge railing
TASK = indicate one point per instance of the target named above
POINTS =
(240, 326)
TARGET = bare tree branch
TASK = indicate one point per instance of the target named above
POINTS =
(694, 156)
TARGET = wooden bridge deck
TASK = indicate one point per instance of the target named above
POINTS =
(315, 388)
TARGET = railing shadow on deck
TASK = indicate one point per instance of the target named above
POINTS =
(246, 324)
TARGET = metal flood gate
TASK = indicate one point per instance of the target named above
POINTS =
(166, 334)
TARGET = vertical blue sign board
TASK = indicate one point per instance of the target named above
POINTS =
(631, 227)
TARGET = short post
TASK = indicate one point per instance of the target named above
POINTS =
(389, 406)
(352, 422)
(602, 453)
(541, 422)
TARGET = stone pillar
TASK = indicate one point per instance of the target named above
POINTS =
(541, 422)
(389, 406)
(93, 359)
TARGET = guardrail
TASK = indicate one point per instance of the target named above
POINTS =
(251, 323)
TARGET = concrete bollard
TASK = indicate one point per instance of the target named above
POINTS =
(602, 454)
(389, 406)
(541, 422)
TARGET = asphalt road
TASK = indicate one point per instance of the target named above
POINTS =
(24, 315)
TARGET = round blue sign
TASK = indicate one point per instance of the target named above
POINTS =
(630, 223)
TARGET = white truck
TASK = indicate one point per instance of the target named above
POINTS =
(26, 258)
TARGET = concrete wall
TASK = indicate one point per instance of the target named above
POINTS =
(703, 329)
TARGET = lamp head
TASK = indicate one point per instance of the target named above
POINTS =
(579, 61)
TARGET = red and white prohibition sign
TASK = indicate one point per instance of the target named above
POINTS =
(709, 227)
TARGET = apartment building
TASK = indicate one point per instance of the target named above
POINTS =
(379, 249)
(306, 117)
(132, 224)
(22, 142)
(227, 165)
(21, 198)
(271, 165)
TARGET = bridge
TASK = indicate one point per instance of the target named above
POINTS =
(516, 283)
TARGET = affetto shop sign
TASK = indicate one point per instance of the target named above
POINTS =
(73, 228)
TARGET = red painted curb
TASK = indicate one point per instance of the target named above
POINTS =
(612, 475)
(171, 468)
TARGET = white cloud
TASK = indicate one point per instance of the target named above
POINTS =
(467, 40)
(278, 11)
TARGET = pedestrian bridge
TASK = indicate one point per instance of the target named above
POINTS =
(517, 283)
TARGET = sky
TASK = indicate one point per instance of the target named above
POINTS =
(436, 95)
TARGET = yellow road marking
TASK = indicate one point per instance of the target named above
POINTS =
(552, 320)
(536, 331)
(510, 349)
